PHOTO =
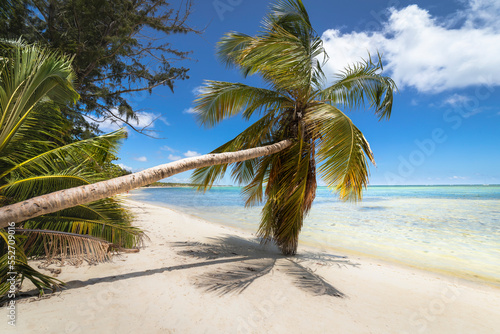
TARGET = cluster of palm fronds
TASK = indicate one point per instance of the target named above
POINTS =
(34, 160)
(289, 56)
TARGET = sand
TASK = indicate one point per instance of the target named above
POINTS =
(194, 276)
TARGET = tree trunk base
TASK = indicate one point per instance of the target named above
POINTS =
(289, 249)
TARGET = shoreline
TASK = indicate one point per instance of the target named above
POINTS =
(463, 275)
(195, 276)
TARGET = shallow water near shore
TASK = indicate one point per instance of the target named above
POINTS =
(450, 229)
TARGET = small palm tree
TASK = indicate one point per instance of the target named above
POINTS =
(296, 105)
(34, 161)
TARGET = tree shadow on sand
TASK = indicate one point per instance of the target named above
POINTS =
(255, 261)
(239, 262)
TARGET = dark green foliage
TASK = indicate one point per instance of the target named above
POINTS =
(34, 161)
(118, 45)
(112, 170)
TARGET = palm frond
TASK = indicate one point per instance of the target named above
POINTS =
(66, 247)
(24, 271)
(48, 121)
(341, 151)
(253, 192)
(231, 46)
(258, 134)
(40, 132)
(221, 100)
(362, 83)
(283, 60)
(8, 45)
(104, 219)
(29, 75)
(92, 151)
(21, 268)
(286, 54)
(291, 15)
(21, 189)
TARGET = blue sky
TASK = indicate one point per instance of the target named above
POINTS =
(443, 55)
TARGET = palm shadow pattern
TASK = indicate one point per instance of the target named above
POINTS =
(252, 261)
(238, 263)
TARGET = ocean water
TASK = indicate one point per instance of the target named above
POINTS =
(450, 229)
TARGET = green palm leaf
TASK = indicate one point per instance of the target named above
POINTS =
(104, 219)
(40, 280)
(90, 151)
(254, 190)
(29, 75)
(258, 134)
(341, 150)
(360, 83)
(25, 188)
(221, 100)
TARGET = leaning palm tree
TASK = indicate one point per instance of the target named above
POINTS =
(296, 105)
(34, 161)
(301, 126)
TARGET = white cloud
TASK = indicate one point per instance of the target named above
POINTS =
(482, 13)
(189, 111)
(146, 119)
(422, 53)
(167, 148)
(198, 90)
(141, 159)
(164, 120)
(125, 167)
(457, 100)
(466, 105)
(190, 154)
(174, 157)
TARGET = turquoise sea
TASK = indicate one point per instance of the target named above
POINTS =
(450, 229)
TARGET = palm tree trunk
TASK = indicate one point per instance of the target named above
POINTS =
(68, 198)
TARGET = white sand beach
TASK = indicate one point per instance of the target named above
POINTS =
(194, 276)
